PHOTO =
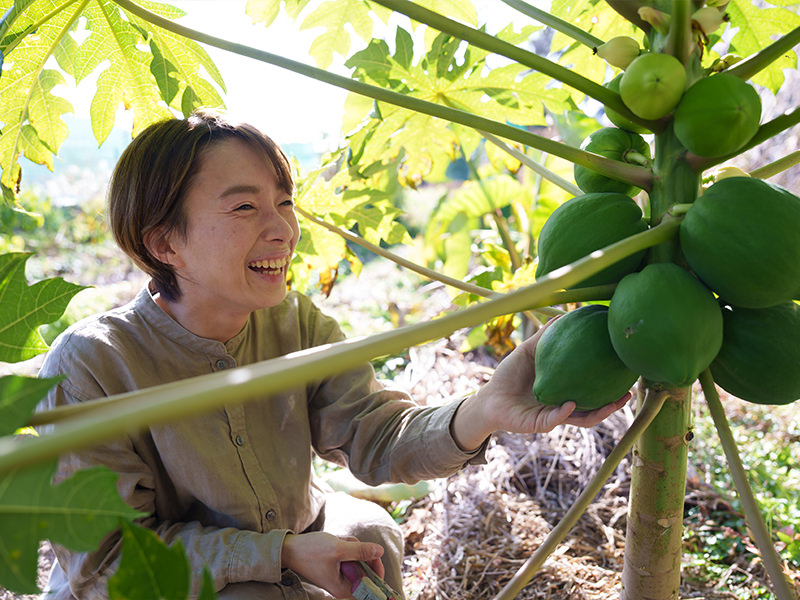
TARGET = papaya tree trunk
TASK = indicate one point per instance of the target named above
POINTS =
(652, 569)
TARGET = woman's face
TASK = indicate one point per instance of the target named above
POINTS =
(241, 233)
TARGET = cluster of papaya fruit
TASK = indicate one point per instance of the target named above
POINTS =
(728, 306)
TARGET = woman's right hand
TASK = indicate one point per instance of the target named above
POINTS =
(317, 557)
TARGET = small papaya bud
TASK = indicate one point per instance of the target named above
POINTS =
(708, 19)
(658, 19)
(725, 62)
(729, 171)
(619, 51)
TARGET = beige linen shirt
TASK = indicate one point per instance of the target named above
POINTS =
(231, 483)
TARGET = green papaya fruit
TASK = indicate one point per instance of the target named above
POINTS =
(652, 85)
(664, 324)
(717, 115)
(618, 144)
(575, 361)
(616, 118)
(760, 356)
(741, 238)
(587, 223)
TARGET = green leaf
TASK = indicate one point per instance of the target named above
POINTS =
(757, 28)
(175, 70)
(76, 514)
(18, 399)
(445, 76)
(23, 308)
(334, 17)
(30, 113)
(178, 64)
(149, 569)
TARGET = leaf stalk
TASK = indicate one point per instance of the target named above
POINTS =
(769, 556)
(550, 20)
(105, 419)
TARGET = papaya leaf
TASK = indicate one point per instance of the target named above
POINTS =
(23, 308)
(207, 590)
(179, 64)
(267, 11)
(18, 399)
(447, 76)
(30, 113)
(476, 199)
(77, 514)
(333, 17)
(757, 28)
(35, 31)
(148, 568)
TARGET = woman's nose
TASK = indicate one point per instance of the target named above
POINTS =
(277, 226)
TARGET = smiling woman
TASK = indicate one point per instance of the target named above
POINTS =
(204, 205)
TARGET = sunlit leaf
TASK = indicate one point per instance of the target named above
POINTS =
(757, 28)
(36, 31)
(18, 399)
(335, 17)
(24, 308)
(77, 514)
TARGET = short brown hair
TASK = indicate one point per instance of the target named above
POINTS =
(150, 181)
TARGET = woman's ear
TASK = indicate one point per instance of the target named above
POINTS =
(159, 245)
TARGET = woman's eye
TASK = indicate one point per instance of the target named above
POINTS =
(244, 207)
(289, 202)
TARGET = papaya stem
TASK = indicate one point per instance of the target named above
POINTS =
(778, 166)
(752, 512)
(520, 55)
(754, 63)
(629, 173)
(679, 37)
(650, 408)
(535, 166)
(677, 210)
(550, 20)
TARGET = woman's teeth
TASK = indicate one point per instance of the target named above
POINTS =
(271, 264)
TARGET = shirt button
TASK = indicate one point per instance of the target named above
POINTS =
(271, 514)
(239, 440)
(221, 364)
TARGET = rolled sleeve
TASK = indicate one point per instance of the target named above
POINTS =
(257, 556)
